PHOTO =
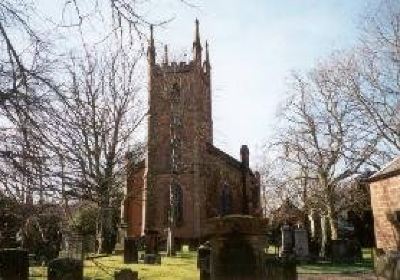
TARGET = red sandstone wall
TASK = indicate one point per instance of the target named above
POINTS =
(216, 173)
(186, 230)
(385, 198)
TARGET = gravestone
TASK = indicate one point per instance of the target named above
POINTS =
(65, 269)
(345, 250)
(152, 259)
(185, 249)
(122, 235)
(151, 241)
(237, 247)
(88, 244)
(287, 241)
(203, 261)
(126, 274)
(14, 264)
(106, 235)
(151, 248)
(72, 246)
(130, 250)
(280, 269)
(301, 243)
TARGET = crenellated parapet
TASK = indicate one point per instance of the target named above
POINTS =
(197, 63)
(181, 67)
(174, 67)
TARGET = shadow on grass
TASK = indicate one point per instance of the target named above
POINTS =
(185, 255)
(321, 267)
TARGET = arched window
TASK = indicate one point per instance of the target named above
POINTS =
(225, 200)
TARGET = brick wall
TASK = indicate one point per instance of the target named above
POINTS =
(385, 198)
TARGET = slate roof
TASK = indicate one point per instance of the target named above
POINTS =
(226, 157)
(389, 170)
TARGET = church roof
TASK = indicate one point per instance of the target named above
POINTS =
(389, 170)
(221, 154)
(226, 157)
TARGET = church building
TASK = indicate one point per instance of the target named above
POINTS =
(183, 173)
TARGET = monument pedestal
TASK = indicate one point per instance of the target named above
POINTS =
(301, 244)
(151, 252)
(122, 234)
(287, 242)
(237, 247)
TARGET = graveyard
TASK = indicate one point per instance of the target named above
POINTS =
(183, 266)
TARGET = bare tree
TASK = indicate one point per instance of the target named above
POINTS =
(98, 116)
(323, 132)
(379, 66)
(26, 87)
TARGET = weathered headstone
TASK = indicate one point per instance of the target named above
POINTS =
(122, 235)
(89, 244)
(301, 243)
(280, 269)
(151, 248)
(126, 274)
(151, 240)
(185, 249)
(141, 256)
(203, 261)
(14, 264)
(72, 246)
(287, 241)
(152, 259)
(106, 233)
(345, 250)
(130, 250)
(65, 269)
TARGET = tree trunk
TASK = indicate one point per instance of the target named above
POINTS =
(105, 231)
(324, 237)
(333, 222)
(330, 213)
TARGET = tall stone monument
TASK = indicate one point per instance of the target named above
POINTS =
(301, 243)
(287, 241)
(237, 247)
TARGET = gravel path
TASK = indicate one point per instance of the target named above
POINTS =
(339, 277)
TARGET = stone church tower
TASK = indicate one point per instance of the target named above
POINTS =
(181, 161)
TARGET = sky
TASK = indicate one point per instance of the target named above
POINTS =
(254, 46)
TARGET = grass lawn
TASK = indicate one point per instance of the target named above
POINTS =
(363, 266)
(329, 268)
(183, 267)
